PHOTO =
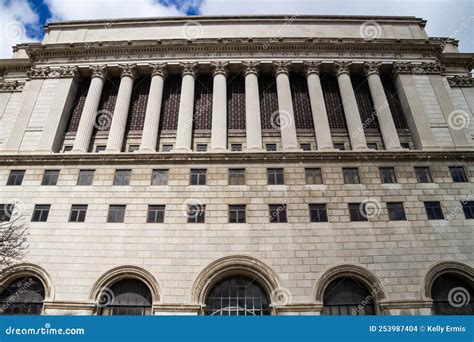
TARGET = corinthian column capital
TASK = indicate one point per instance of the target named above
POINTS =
(250, 67)
(99, 71)
(189, 68)
(313, 67)
(158, 69)
(128, 70)
(372, 68)
(281, 67)
(342, 68)
(219, 68)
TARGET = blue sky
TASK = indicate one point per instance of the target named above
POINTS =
(22, 20)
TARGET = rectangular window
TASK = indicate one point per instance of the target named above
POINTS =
(277, 213)
(67, 148)
(458, 174)
(271, 147)
(387, 175)
(6, 211)
(50, 177)
(351, 175)
(133, 148)
(423, 175)
(372, 146)
(100, 148)
(156, 214)
(16, 177)
(339, 146)
(468, 208)
(236, 176)
(167, 148)
(159, 177)
(236, 213)
(405, 145)
(318, 212)
(235, 147)
(313, 176)
(78, 213)
(116, 214)
(357, 212)
(40, 213)
(275, 176)
(122, 177)
(396, 211)
(198, 177)
(86, 177)
(434, 211)
(305, 147)
(196, 213)
(201, 148)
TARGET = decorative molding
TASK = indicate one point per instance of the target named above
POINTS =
(372, 68)
(342, 68)
(189, 68)
(47, 72)
(219, 68)
(11, 86)
(433, 68)
(461, 81)
(128, 70)
(99, 71)
(250, 67)
(423, 68)
(281, 67)
(312, 67)
(159, 69)
(402, 67)
(38, 72)
(440, 268)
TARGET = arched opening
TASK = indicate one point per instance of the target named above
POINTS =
(348, 296)
(126, 297)
(23, 296)
(452, 295)
(237, 296)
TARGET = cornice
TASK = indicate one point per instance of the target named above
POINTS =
(423, 68)
(233, 157)
(47, 72)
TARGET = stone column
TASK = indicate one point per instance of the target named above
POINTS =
(349, 103)
(252, 107)
(382, 109)
(119, 119)
(89, 113)
(184, 135)
(219, 108)
(412, 106)
(153, 108)
(322, 130)
(285, 107)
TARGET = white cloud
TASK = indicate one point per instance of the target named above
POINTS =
(106, 9)
(14, 16)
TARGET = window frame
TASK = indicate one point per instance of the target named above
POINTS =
(158, 211)
(282, 215)
(275, 176)
(432, 215)
(112, 213)
(78, 210)
(14, 176)
(119, 179)
(318, 178)
(92, 171)
(40, 213)
(157, 171)
(359, 217)
(392, 211)
(198, 177)
(468, 209)
(461, 176)
(390, 172)
(352, 172)
(423, 171)
(197, 218)
(237, 173)
(271, 147)
(318, 212)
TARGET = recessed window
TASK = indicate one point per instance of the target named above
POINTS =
(423, 175)
(40, 213)
(458, 174)
(396, 211)
(166, 148)
(23, 296)
(116, 214)
(236, 213)
(277, 213)
(122, 177)
(387, 175)
(339, 146)
(126, 297)
(86, 177)
(6, 211)
(159, 177)
(372, 146)
(78, 213)
(313, 176)
(156, 214)
(201, 148)
(318, 212)
(468, 208)
(236, 176)
(100, 148)
(405, 145)
(271, 147)
(236, 147)
(347, 296)
(358, 212)
(434, 211)
(16, 177)
(305, 147)
(50, 177)
(351, 175)
(196, 213)
(275, 176)
(67, 148)
(133, 148)
(198, 177)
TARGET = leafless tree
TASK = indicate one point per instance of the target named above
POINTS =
(13, 242)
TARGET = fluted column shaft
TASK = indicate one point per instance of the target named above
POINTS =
(285, 107)
(219, 109)
(119, 119)
(153, 109)
(89, 113)
(252, 108)
(351, 110)
(384, 115)
(322, 130)
(184, 135)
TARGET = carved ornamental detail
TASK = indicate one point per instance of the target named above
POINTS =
(11, 86)
(158, 69)
(312, 68)
(99, 71)
(423, 68)
(219, 68)
(281, 67)
(342, 67)
(461, 81)
(250, 67)
(372, 68)
(189, 68)
(128, 70)
(47, 72)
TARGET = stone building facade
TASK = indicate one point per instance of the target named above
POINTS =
(252, 165)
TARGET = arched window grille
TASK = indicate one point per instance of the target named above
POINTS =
(237, 296)
(452, 296)
(347, 296)
(24, 296)
(127, 297)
